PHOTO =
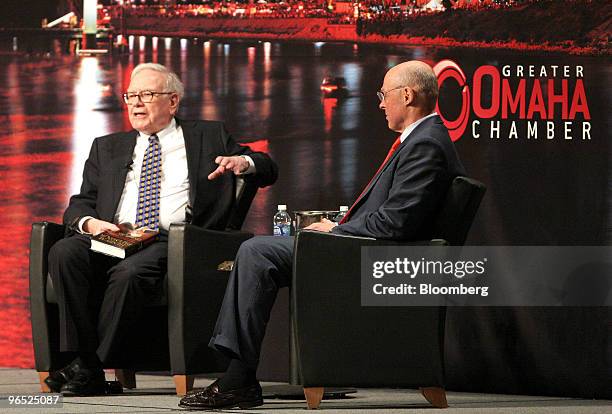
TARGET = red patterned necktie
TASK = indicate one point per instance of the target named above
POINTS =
(147, 212)
(389, 154)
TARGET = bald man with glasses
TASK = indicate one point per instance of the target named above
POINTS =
(165, 170)
(399, 203)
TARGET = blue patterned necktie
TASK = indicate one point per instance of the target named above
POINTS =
(147, 213)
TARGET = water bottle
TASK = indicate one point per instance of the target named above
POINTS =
(341, 214)
(282, 221)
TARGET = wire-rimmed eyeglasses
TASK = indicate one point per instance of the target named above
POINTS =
(131, 98)
(381, 94)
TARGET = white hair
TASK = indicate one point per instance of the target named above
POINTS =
(173, 83)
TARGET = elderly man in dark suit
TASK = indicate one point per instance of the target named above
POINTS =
(163, 171)
(398, 203)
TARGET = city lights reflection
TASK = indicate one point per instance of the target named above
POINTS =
(154, 45)
(267, 48)
(329, 110)
(88, 122)
(317, 48)
(251, 55)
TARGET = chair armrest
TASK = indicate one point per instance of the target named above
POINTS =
(313, 247)
(43, 236)
(195, 291)
(339, 342)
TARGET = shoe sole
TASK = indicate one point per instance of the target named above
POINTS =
(88, 394)
(242, 405)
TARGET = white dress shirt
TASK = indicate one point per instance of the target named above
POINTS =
(174, 190)
(415, 124)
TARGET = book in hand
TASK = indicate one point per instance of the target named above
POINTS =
(121, 244)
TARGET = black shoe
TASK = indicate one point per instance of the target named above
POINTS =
(86, 382)
(56, 379)
(212, 398)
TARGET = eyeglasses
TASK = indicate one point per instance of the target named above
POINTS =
(131, 98)
(381, 94)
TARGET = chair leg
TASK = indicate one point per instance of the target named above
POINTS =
(184, 384)
(435, 395)
(42, 376)
(313, 395)
(127, 378)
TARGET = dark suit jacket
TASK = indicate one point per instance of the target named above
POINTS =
(402, 200)
(111, 156)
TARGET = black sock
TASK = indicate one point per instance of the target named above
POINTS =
(238, 375)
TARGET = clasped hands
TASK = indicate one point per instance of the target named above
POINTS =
(324, 225)
(236, 164)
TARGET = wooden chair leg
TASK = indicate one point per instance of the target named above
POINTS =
(435, 395)
(313, 395)
(126, 377)
(42, 376)
(184, 384)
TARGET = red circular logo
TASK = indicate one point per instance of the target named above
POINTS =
(448, 69)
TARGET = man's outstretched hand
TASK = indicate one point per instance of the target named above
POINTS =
(235, 164)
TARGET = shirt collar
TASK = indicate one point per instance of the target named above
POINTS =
(164, 132)
(412, 126)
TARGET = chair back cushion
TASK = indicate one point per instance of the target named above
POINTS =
(458, 210)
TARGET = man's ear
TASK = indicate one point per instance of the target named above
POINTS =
(409, 96)
(174, 101)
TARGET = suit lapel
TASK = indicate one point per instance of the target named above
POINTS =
(193, 145)
(374, 180)
(395, 154)
(123, 149)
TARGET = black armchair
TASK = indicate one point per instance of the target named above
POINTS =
(338, 342)
(168, 337)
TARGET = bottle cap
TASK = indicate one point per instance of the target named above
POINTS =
(343, 208)
(282, 207)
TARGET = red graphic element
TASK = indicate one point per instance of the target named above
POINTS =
(536, 102)
(448, 69)
(579, 102)
(479, 110)
(513, 103)
(260, 145)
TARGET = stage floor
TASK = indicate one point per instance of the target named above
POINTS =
(155, 394)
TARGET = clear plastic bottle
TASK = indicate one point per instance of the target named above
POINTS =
(282, 221)
(341, 214)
